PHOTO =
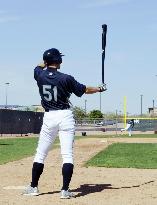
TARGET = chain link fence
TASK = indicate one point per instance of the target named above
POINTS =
(26, 122)
(115, 124)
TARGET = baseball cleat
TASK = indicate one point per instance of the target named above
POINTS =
(66, 194)
(31, 191)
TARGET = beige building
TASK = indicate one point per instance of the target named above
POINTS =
(152, 111)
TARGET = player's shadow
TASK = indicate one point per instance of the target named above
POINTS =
(86, 189)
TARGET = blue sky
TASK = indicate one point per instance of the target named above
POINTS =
(28, 28)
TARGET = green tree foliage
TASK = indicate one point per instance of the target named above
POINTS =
(110, 115)
(79, 113)
(95, 114)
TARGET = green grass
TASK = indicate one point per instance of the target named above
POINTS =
(138, 136)
(127, 155)
(17, 148)
(12, 149)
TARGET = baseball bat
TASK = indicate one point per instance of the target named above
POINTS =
(104, 32)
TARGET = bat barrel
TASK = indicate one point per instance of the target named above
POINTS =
(104, 27)
(104, 32)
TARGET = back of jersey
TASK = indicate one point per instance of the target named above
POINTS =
(52, 89)
(55, 88)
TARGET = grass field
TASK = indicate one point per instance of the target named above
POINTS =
(17, 148)
(127, 155)
(139, 136)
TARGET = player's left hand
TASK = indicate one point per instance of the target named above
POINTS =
(102, 87)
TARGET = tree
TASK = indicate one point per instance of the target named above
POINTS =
(79, 113)
(95, 114)
(110, 115)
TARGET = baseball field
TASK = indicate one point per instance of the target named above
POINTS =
(108, 170)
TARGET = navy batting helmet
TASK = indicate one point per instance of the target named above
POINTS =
(52, 56)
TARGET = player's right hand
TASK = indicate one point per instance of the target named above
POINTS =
(102, 88)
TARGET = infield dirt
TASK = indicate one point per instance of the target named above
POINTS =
(101, 186)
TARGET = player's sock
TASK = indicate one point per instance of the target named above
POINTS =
(67, 171)
(36, 172)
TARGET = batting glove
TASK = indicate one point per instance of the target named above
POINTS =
(42, 65)
(102, 88)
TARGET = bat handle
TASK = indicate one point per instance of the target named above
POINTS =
(103, 58)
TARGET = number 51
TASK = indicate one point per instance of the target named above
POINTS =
(48, 91)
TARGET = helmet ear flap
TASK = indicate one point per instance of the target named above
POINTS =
(45, 62)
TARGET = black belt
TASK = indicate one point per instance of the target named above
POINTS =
(49, 110)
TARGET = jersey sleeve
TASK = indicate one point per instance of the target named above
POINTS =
(37, 71)
(75, 87)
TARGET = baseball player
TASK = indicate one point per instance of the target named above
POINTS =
(55, 89)
(129, 127)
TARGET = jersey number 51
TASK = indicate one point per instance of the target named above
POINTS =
(50, 93)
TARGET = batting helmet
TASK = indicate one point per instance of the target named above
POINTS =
(52, 56)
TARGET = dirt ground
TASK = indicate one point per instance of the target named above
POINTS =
(101, 186)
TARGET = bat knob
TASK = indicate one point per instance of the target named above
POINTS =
(102, 87)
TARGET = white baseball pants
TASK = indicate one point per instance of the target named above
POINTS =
(127, 128)
(54, 122)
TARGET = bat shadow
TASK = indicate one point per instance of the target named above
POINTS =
(5, 144)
